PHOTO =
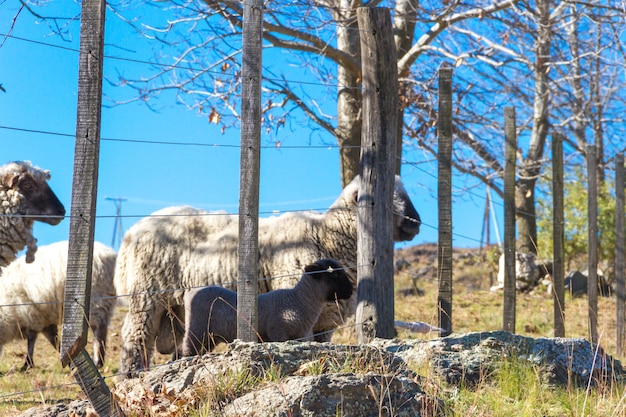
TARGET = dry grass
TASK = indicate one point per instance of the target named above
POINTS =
(48, 382)
(474, 309)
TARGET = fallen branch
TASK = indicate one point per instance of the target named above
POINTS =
(417, 326)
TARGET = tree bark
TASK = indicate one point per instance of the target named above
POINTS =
(404, 31)
(531, 166)
(349, 96)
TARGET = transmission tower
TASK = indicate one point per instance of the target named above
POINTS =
(118, 230)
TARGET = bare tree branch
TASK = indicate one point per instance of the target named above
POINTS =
(442, 24)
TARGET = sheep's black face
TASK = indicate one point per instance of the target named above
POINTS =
(406, 218)
(40, 202)
(332, 272)
(343, 287)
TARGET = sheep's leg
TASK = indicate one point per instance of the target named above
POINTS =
(31, 338)
(99, 344)
(179, 330)
(171, 331)
(196, 341)
(139, 332)
(51, 333)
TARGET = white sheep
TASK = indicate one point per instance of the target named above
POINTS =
(285, 314)
(182, 247)
(25, 197)
(31, 297)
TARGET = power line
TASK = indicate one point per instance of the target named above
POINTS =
(170, 142)
(177, 66)
(118, 229)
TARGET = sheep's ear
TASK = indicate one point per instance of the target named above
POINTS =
(312, 268)
(351, 191)
(12, 180)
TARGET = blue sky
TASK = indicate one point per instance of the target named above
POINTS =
(41, 93)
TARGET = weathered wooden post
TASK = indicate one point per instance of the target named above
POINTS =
(558, 236)
(375, 302)
(82, 214)
(592, 264)
(444, 196)
(619, 251)
(510, 149)
(247, 283)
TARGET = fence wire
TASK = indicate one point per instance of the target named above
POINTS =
(457, 190)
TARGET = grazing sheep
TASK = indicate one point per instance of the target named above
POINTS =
(25, 197)
(31, 297)
(179, 248)
(286, 314)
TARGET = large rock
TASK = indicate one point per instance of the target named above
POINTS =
(78, 408)
(335, 394)
(307, 379)
(526, 272)
(469, 357)
(314, 380)
(576, 283)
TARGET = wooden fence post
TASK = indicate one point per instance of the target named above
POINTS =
(592, 265)
(375, 294)
(444, 195)
(619, 251)
(247, 283)
(558, 236)
(77, 296)
(510, 151)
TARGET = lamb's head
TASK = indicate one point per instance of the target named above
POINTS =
(406, 220)
(27, 187)
(333, 275)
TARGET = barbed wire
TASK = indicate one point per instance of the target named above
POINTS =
(39, 390)
(97, 298)
(155, 366)
(457, 190)
(148, 293)
(171, 290)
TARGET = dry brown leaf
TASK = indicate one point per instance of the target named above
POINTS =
(214, 116)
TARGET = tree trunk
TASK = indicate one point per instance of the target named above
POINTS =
(578, 104)
(598, 114)
(525, 215)
(404, 32)
(531, 166)
(349, 96)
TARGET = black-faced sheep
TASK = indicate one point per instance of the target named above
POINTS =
(181, 247)
(286, 314)
(25, 197)
(31, 297)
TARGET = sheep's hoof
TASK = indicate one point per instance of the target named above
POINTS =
(27, 365)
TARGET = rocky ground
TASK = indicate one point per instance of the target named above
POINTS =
(358, 380)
